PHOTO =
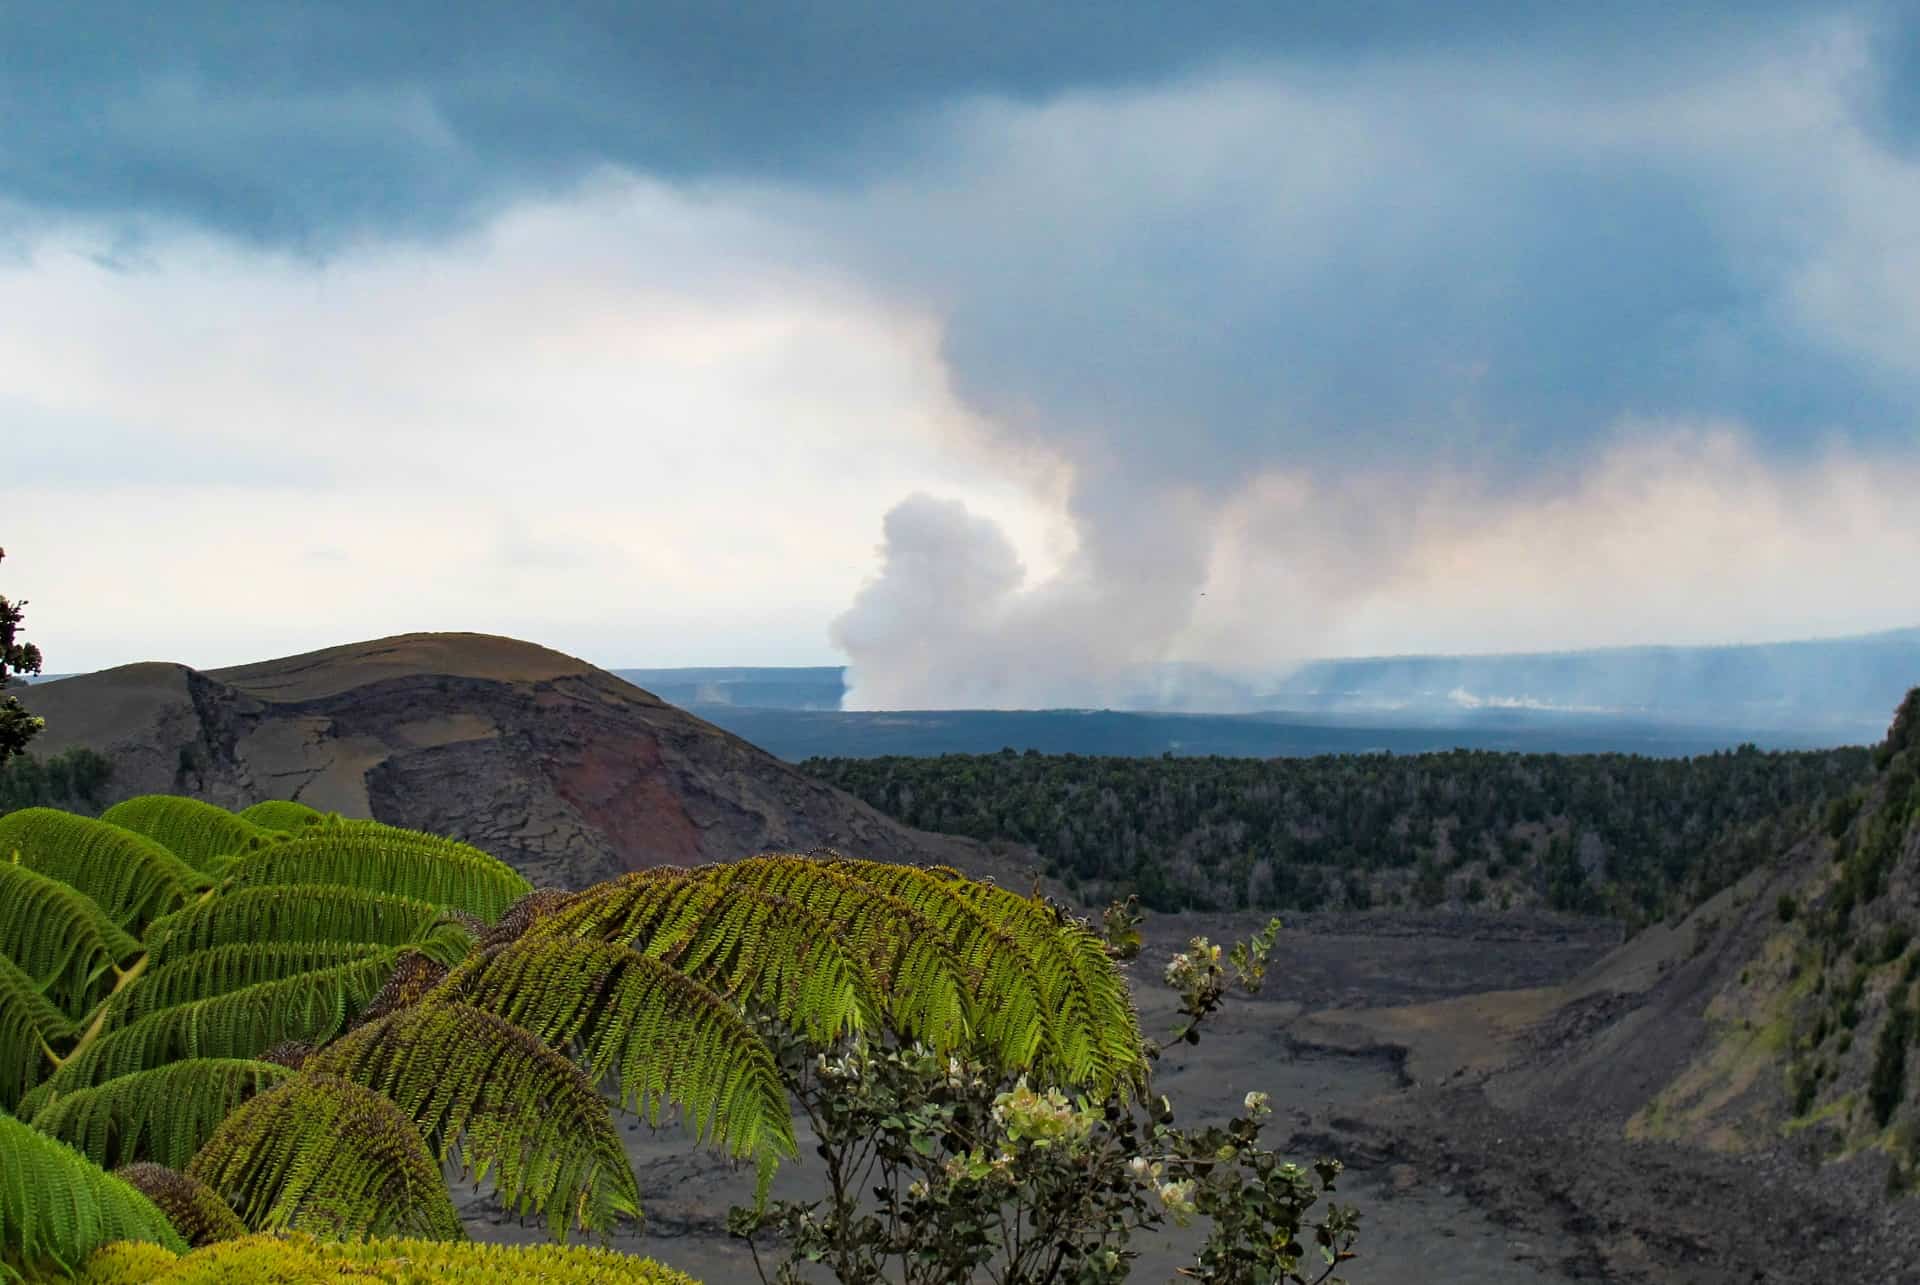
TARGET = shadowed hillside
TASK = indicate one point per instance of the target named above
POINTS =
(562, 769)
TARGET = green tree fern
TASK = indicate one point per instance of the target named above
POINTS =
(299, 1018)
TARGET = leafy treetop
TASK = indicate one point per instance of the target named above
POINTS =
(17, 726)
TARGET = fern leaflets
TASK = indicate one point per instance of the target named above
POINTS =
(59, 938)
(311, 1006)
(57, 1207)
(129, 876)
(491, 1095)
(763, 951)
(290, 913)
(324, 1155)
(666, 1037)
(29, 1028)
(220, 970)
(163, 1115)
(382, 859)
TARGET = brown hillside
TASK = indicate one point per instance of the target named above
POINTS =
(563, 769)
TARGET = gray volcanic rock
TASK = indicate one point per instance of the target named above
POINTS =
(568, 772)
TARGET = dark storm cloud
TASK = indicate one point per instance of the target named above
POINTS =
(304, 122)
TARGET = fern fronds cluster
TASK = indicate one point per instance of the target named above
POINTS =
(524, 914)
(57, 1207)
(325, 1155)
(195, 1209)
(492, 1097)
(129, 876)
(298, 1019)
(200, 834)
(60, 938)
(164, 1114)
(302, 1260)
(383, 859)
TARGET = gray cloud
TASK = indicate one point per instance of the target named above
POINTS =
(1368, 248)
(302, 123)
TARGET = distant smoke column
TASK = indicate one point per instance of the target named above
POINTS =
(951, 622)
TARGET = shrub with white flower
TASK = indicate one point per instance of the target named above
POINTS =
(941, 1169)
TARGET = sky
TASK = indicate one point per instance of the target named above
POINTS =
(1003, 352)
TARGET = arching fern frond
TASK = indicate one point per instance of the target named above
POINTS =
(290, 913)
(1093, 1016)
(60, 938)
(200, 834)
(384, 860)
(1015, 970)
(57, 1207)
(29, 1028)
(302, 1260)
(286, 816)
(490, 1095)
(927, 990)
(240, 1024)
(457, 848)
(163, 1115)
(220, 970)
(195, 1209)
(666, 1037)
(325, 1155)
(129, 876)
(766, 953)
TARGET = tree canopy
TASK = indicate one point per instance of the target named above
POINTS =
(17, 726)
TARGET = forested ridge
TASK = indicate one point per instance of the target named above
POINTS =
(1608, 833)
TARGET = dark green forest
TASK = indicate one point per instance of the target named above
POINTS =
(1624, 835)
(75, 780)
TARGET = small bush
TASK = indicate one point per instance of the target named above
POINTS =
(1786, 907)
(1889, 1080)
